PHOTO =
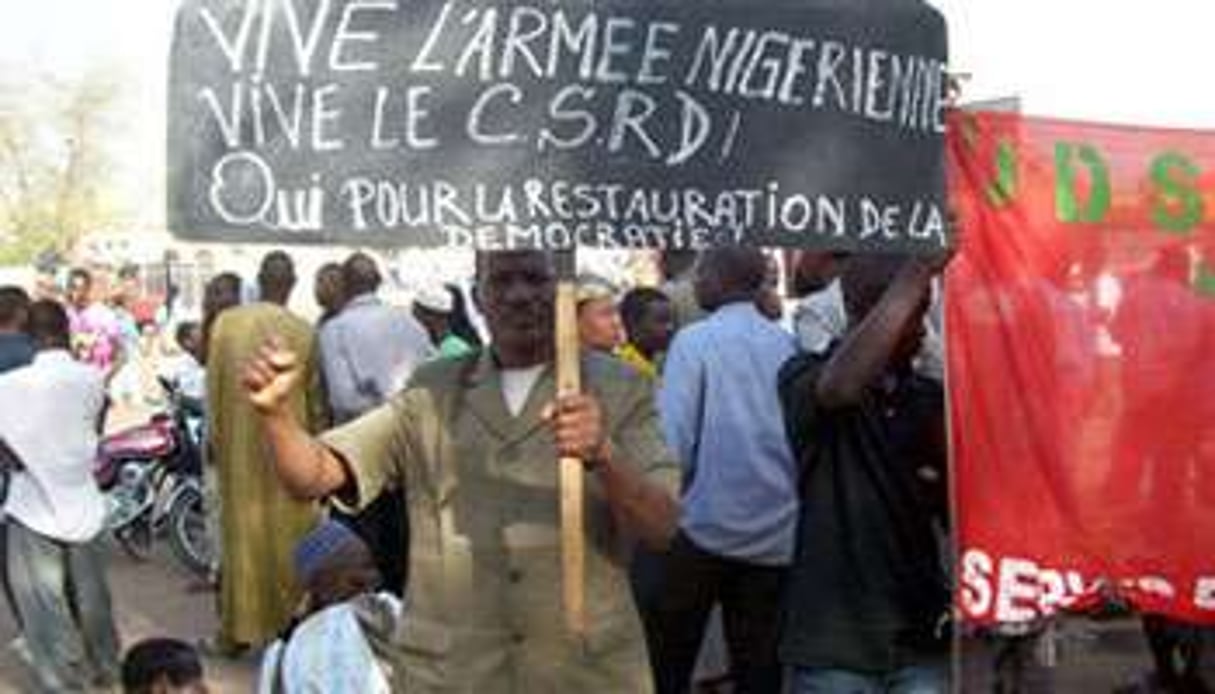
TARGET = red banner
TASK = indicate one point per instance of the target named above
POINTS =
(1081, 328)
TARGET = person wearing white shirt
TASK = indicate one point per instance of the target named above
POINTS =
(55, 561)
(185, 369)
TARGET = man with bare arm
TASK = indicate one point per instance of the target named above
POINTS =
(474, 442)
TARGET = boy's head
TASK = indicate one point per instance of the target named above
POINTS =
(162, 666)
(648, 320)
(79, 288)
(189, 338)
(333, 564)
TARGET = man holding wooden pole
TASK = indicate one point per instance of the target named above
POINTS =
(475, 443)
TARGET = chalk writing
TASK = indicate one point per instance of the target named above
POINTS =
(648, 124)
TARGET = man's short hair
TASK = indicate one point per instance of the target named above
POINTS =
(231, 279)
(79, 273)
(360, 274)
(741, 268)
(482, 259)
(730, 274)
(635, 303)
(160, 660)
(14, 302)
(277, 273)
(183, 331)
(49, 323)
(333, 268)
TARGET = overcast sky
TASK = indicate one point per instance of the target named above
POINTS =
(1089, 59)
(1105, 60)
(1142, 63)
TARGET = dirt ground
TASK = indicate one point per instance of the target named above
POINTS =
(150, 599)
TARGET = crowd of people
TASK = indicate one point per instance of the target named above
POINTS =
(766, 508)
(698, 437)
(60, 362)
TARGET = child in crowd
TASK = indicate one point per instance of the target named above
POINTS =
(163, 666)
(341, 640)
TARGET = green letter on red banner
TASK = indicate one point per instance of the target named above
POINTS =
(1176, 177)
(1067, 205)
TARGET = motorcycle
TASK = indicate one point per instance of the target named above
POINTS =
(151, 475)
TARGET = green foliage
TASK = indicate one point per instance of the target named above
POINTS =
(55, 167)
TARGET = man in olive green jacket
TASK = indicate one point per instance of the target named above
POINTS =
(474, 442)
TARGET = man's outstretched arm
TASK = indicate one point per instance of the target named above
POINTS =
(867, 348)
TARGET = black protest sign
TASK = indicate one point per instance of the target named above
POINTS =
(559, 123)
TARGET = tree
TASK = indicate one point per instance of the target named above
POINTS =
(55, 166)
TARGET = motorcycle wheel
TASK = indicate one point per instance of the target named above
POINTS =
(188, 534)
(136, 538)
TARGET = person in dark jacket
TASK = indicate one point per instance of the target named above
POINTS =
(868, 597)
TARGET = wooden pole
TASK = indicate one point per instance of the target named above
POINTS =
(572, 474)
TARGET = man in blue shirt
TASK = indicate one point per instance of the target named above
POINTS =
(369, 351)
(722, 416)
